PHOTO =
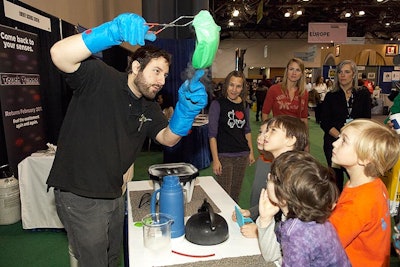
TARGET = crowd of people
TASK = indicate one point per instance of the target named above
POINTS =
(304, 213)
(304, 195)
(303, 198)
(357, 236)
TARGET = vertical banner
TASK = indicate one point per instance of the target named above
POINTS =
(20, 97)
(260, 11)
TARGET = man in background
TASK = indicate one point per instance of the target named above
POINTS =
(367, 83)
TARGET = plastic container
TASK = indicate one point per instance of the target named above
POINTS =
(171, 202)
(10, 203)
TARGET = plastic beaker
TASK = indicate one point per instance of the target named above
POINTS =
(157, 233)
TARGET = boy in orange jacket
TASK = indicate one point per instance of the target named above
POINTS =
(367, 149)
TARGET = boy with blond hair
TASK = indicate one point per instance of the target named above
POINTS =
(366, 149)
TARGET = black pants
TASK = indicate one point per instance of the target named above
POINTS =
(259, 110)
(317, 111)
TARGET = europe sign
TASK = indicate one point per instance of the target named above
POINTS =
(327, 33)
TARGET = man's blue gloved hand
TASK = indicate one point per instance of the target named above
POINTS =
(127, 27)
(192, 99)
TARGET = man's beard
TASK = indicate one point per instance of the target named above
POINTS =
(144, 87)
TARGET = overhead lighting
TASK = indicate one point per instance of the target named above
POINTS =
(235, 13)
(387, 24)
(287, 14)
(345, 14)
(299, 12)
(361, 13)
(230, 23)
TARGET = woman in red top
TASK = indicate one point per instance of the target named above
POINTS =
(290, 96)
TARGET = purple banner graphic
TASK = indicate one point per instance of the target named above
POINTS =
(20, 96)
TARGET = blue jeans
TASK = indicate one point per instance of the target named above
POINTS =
(94, 227)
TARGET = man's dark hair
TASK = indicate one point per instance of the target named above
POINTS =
(146, 53)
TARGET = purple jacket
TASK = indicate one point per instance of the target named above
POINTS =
(310, 244)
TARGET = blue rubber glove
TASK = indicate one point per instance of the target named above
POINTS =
(127, 27)
(192, 99)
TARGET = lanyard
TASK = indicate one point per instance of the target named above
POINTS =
(350, 105)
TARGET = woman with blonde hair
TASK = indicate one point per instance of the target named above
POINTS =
(289, 97)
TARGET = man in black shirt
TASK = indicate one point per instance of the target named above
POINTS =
(109, 116)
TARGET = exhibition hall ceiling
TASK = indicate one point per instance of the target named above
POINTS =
(377, 19)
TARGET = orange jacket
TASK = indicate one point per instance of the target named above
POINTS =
(362, 220)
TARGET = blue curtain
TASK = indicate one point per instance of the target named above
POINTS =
(182, 52)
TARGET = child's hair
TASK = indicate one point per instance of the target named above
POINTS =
(376, 143)
(305, 185)
(294, 127)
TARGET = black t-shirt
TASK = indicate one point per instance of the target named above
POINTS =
(231, 136)
(100, 136)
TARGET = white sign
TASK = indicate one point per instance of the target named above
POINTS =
(26, 16)
(387, 77)
(327, 32)
(356, 40)
(395, 75)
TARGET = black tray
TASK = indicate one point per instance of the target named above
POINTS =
(185, 171)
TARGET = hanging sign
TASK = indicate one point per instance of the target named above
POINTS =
(26, 16)
(327, 32)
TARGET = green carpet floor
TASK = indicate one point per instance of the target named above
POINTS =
(48, 248)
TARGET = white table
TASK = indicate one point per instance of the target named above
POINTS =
(235, 246)
(38, 208)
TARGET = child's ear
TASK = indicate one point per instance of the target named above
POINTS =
(364, 162)
(291, 141)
